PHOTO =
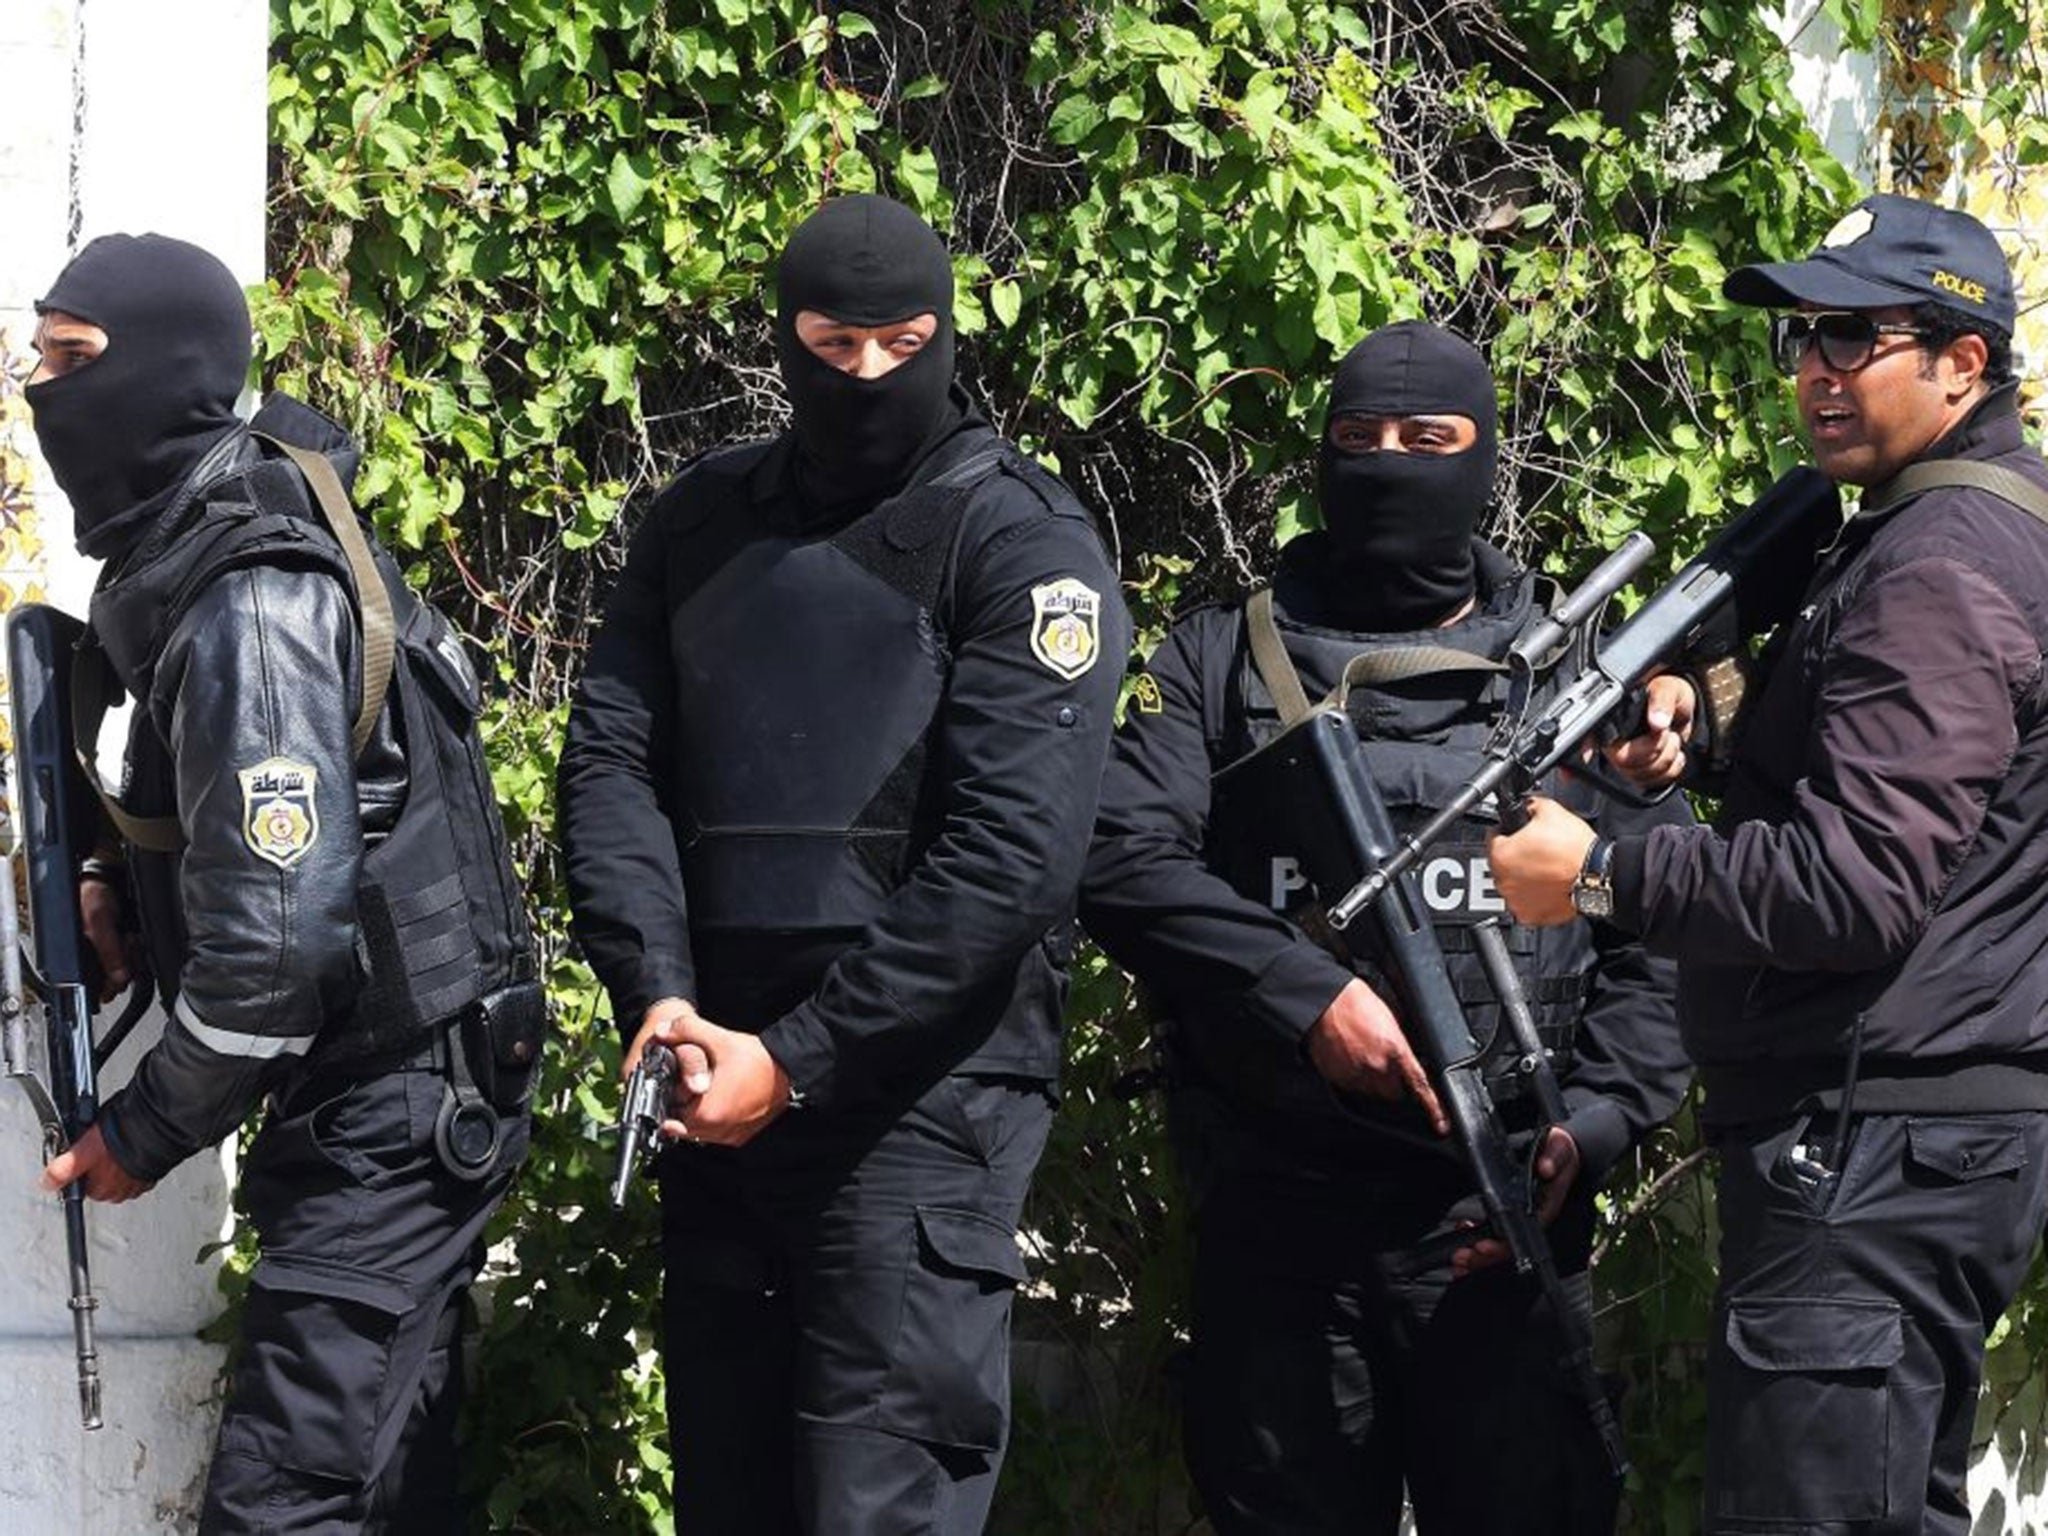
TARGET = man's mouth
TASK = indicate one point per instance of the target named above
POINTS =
(1829, 420)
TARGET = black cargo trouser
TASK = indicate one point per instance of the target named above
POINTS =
(1848, 1333)
(341, 1416)
(837, 1314)
(1335, 1360)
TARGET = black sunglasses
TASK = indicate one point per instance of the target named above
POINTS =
(1846, 338)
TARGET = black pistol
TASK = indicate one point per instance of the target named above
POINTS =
(646, 1106)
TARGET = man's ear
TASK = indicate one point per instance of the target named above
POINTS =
(1963, 362)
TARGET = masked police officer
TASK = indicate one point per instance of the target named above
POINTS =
(322, 885)
(1860, 936)
(1334, 1355)
(826, 797)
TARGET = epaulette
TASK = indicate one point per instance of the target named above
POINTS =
(921, 514)
(1206, 605)
(1056, 495)
(727, 462)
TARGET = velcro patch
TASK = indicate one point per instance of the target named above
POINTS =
(280, 822)
(1066, 626)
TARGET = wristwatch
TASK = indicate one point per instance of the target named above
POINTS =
(1593, 890)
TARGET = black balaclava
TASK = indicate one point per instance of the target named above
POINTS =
(1401, 524)
(123, 431)
(865, 260)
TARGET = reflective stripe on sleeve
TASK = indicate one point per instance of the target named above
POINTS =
(228, 1042)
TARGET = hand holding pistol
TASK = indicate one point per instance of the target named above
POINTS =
(646, 1106)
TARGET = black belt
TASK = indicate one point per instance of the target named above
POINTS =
(429, 1055)
(1771, 1090)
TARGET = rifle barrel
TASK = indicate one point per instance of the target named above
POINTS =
(83, 1305)
(1411, 849)
(1585, 601)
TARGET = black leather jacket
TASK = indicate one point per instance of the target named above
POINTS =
(252, 928)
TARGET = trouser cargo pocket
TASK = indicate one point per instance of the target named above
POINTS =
(316, 1388)
(1962, 1151)
(1800, 1417)
(949, 1379)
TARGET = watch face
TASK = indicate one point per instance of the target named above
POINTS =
(1593, 898)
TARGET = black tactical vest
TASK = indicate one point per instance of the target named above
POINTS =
(1422, 739)
(823, 656)
(440, 919)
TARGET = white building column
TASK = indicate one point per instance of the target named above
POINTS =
(122, 115)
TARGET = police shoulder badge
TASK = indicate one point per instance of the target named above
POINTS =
(1066, 628)
(279, 820)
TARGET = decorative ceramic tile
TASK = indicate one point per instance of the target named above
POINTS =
(1917, 154)
(1917, 43)
(1929, 88)
(21, 544)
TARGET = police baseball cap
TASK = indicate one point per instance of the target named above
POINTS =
(1891, 250)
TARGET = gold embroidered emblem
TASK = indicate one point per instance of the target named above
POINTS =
(1146, 695)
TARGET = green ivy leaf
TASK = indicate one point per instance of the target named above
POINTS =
(917, 173)
(1073, 120)
(382, 21)
(1005, 301)
(626, 183)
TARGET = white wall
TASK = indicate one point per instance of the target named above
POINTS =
(1838, 88)
(119, 115)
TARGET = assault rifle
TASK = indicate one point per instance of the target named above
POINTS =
(1313, 781)
(55, 975)
(1768, 544)
(646, 1106)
